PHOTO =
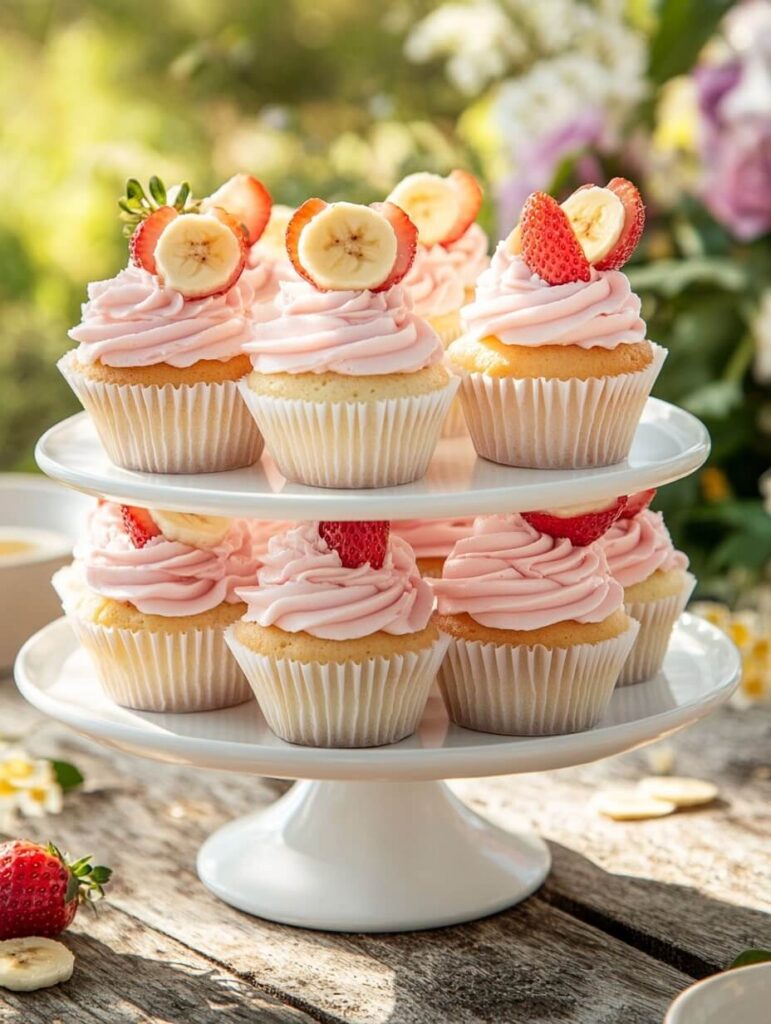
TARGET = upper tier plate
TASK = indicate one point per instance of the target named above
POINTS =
(669, 444)
(700, 671)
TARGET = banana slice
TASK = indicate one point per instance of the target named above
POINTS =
(597, 217)
(198, 255)
(630, 805)
(514, 241)
(188, 528)
(431, 203)
(347, 246)
(32, 963)
(273, 238)
(679, 791)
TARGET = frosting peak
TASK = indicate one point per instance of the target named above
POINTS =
(133, 320)
(519, 308)
(636, 548)
(507, 575)
(432, 538)
(349, 332)
(304, 587)
(433, 281)
(469, 255)
(164, 577)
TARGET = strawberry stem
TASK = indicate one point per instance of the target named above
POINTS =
(87, 881)
(136, 205)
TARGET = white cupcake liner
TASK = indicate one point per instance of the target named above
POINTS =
(157, 671)
(352, 444)
(455, 421)
(545, 423)
(656, 620)
(341, 704)
(514, 690)
(196, 428)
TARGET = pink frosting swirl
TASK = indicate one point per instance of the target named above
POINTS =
(469, 255)
(432, 538)
(353, 332)
(264, 274)
(304, 587)
(433, 282)
(636, 548)
(164, 577)
(520, 308)
(134, 320)
(507, 575)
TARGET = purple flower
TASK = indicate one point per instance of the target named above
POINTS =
(540, 161)
(737, 183)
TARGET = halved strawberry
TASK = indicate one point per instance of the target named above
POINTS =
(638, 502)
(634, 222)
(145, 238)
(470, 198)
(549, 246)
(302, 215)
(139, 524)
(580, 528)
(246, 199)
(357, 543)
(406, 240)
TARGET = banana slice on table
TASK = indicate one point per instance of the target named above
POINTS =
(630, 805)
(198, 255)
(33, 963)
(346, 246)
(680, 791)
(597, 217)
(189, 528)
(431, 203)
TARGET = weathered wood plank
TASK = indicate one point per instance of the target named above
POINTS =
(126, 973)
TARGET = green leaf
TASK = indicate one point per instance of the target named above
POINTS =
(670, 277)
(158, 190)
(751, 956)
(182, 196)
(134, 191)
(684, 26)
(718, 399)
(67, 775)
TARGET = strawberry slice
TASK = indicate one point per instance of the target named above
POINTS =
(470, 197)
(634, 222)
(139, 525)
(246, 199)
(357, 543)
(145, 238)
(406, 240)
(549, 246)
(302, 215)
(582, 528)
(638, 502)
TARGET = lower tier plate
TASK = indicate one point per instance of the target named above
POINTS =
(701, 670)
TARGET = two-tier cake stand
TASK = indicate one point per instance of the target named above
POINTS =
(373, 840)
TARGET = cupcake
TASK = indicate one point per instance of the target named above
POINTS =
(432, 540)
(443, 210)
(657, 585)
(338, 641)
(348, 385)
(267, 263)
(537, 629)
(150, 595)
(470, 255)
(555, 363)
(160, 345)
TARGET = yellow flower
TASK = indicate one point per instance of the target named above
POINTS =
(715, 485)
(677, 116)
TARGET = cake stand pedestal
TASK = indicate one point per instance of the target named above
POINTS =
(372, 840)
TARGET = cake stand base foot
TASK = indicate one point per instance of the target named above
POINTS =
(370, 857)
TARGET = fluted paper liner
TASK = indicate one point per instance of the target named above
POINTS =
(341, 704)
(352, 444)
(545, 423)
(193, 428)
(656, 620)
(515, 690)
(455, 421)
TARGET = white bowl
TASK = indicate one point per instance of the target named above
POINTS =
(741, 996)
(49, 516)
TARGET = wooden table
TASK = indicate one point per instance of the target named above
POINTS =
(630, 915)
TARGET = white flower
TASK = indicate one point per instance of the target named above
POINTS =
(27, 785)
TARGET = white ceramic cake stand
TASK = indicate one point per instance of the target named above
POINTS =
(372, 840)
